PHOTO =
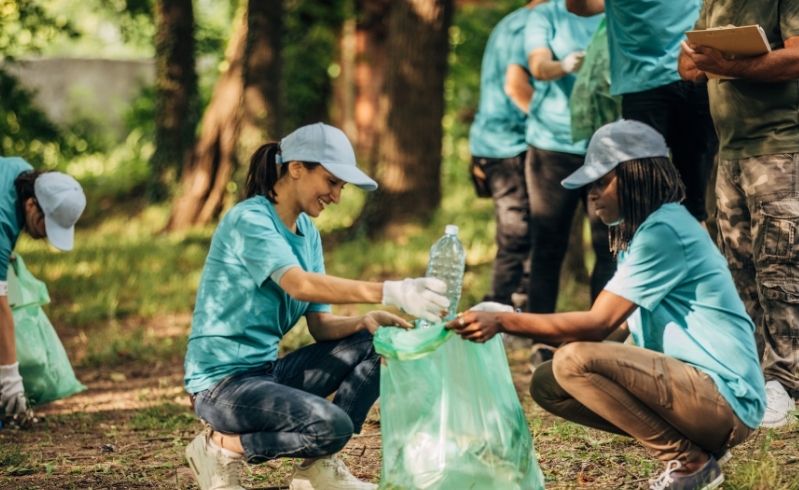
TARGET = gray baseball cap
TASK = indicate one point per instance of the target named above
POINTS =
(613, 144)
(328, 146)
(62, 199)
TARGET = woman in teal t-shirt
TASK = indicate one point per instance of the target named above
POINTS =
(264, 271)
(691, 387)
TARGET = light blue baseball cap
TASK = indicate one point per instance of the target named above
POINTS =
(613, 144)
(62, 200)
(328, 146)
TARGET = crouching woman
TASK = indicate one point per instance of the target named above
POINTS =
(691, 387)
(264, 271)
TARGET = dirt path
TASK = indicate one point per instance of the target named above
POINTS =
(129, 430)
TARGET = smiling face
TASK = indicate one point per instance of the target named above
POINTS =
(604, 197)
(317, 189)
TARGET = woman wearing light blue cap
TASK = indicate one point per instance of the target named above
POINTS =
(691, 386)
(264, 271)
(46, 205)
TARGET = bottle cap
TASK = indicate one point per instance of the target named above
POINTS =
(451, 230)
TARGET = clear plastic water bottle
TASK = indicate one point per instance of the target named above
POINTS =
(447, 262)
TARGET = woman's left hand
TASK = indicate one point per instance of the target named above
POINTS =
(375, 319)
(477, 326)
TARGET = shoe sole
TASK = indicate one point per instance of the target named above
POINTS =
(725, 458)
(715, 483)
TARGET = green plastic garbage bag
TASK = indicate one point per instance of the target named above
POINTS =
(591, 104)
(449, 414)
(43, 364)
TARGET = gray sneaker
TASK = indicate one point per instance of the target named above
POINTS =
(212, 467)
(707, 477)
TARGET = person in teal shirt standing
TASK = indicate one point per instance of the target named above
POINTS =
(644, 43)
(496, 141)
(691, 386)
(554, 40)
(46, 205)
(264, 271)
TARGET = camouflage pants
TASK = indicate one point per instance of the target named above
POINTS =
(758, 221)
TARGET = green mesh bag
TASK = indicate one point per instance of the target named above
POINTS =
(43, 364)
(449, 414)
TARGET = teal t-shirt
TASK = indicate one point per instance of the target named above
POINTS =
(689, 308)
(550, 25)
(241, 314)
(498, 127)
(644, 41)
(11, 219)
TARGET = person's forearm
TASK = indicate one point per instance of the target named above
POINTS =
(326, 326)
(555, 327)
(321, 288)
(518, 87)
(8, 348)
(777, 66)
(546, 70)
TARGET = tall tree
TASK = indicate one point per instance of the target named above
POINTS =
(411, 113)
(176, 92)
(212, 161)
(262, 72)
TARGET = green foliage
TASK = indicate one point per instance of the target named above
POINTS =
(309, 49)
(27, 27)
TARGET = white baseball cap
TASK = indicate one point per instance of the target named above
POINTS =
(62, 199)
(613, 144)
(328, 146)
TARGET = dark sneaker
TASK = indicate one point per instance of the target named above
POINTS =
(722, 456)
(707, 477)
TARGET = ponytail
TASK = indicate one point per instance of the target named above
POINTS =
(264, 172)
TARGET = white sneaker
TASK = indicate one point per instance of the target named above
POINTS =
(328, 473)
(779, 405)
(214, 468)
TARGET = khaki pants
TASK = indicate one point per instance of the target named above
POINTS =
(670, 407)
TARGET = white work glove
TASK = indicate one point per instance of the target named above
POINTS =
(492, 307)
(12, 394)
(573, 61)
(422, 297)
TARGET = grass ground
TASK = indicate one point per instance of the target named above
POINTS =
(129, 430)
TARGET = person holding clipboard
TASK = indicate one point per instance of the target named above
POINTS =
(757, 189)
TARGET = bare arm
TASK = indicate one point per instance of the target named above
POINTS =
(321, 288)
(777, 66)
(518, 87)
(585, 8)
(543, 67)
(8, 348)
(327, 326)
(608, 313)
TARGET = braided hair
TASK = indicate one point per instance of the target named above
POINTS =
(643, 186)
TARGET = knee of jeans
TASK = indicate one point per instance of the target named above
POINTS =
(333, 429)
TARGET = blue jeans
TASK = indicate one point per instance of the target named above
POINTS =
(279, 409)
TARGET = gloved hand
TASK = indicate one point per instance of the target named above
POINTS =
(573, 61)
(12, 394)
(422, 297)
(492, 307)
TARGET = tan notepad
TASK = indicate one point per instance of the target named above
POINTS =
(736, 42)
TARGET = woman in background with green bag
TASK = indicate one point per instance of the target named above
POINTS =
(46, 205)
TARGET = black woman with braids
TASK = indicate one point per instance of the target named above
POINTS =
(691, 386)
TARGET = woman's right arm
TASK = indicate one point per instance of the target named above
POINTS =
(321, 288)
(421, 297)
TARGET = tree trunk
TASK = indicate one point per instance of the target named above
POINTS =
(411, 109)
(371, 34)
(262, 71)
(176, 93)
(208, 169)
